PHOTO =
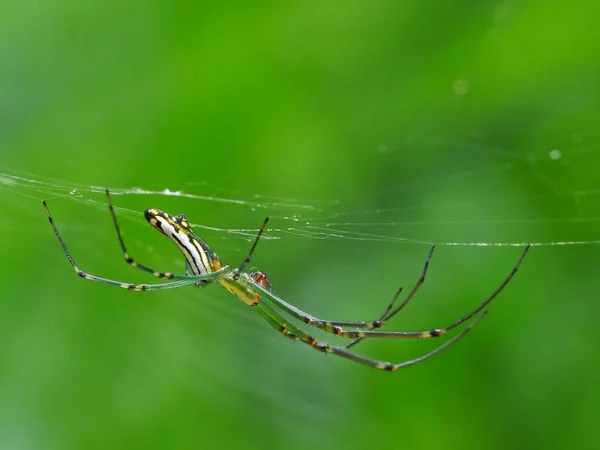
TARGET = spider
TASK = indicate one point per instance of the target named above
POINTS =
(204, 267)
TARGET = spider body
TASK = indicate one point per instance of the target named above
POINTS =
(240, 285)
(203, 267)
(199, 257)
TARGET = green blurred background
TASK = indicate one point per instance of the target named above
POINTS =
(450, 121)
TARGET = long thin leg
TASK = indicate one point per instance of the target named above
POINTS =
(293, 332)
(278, 325)
(129, 286)
(251, 252)
(331, 326)
(129, 260)
(484, 304)
(384, 316)
(261, 290)
(335, 327)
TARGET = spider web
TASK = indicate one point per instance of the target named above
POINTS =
(365, 131)
(384, 243)
(339, 219)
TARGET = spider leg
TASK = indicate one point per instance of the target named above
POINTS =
(279, 325)
(289, 330)
(439, 332)
(336, 327)
(251, 252)
(384, 316)
(329, 326)
(485, 303)
(132, 262)
(133, 287)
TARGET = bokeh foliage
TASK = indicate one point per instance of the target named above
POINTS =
(445, 121)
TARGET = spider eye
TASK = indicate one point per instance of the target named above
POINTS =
(182, 220)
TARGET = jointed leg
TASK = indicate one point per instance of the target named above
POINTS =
(261, 290)
(291, 331)
(480, 307)
(279, 325)
(129, 260)
(335, 327)
(134, 287)
(251, 252)
(384, 317)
